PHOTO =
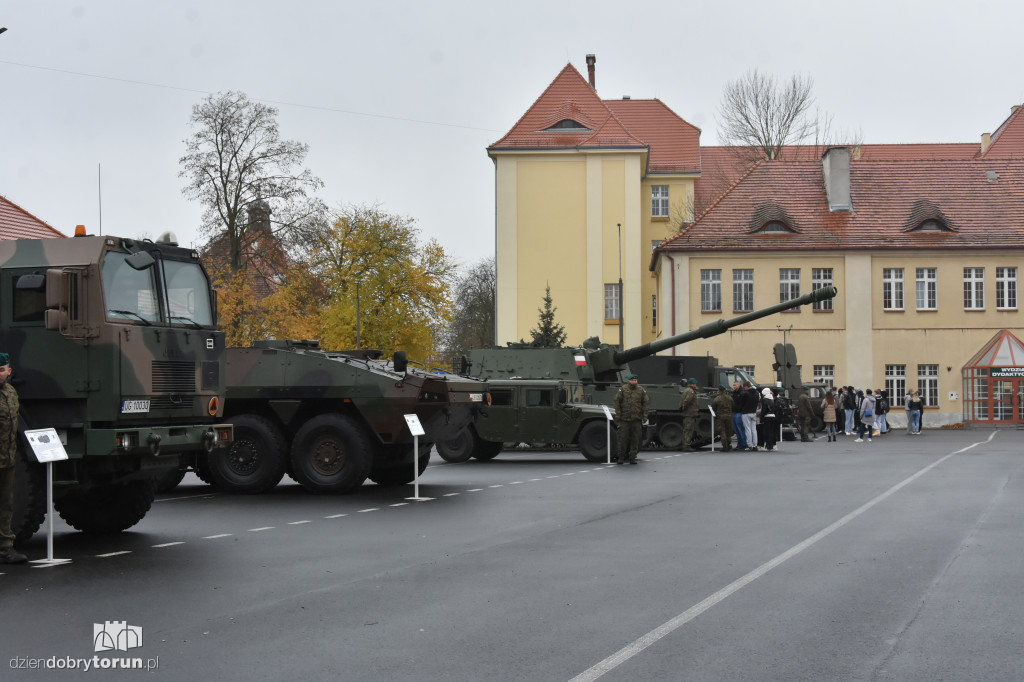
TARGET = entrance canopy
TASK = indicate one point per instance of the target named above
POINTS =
(993, 382)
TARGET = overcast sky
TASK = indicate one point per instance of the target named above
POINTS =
(399, 100)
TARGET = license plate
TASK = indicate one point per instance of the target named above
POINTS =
(476, 397)
(134, 406)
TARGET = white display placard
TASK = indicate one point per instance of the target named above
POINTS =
(415, 428)
(607, 413)
(46, 445)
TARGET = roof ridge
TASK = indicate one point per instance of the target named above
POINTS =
(33, 217)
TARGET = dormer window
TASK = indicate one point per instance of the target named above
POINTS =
(568, 124)
(931, 226)
(775, 227)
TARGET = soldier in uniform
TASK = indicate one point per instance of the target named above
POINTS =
(722, 405)
(630, 412)
(688, 406)
(8, 451)
(803, 408)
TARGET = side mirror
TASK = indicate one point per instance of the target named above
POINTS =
(401, 362)
(140, 260)
(464, 365)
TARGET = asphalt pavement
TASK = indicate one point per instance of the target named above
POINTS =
(898, 559)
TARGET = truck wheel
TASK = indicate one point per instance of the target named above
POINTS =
(817, 424)
(331, 454)
(400, 474)
(670, 435)
(458, 448)
(169, 479)
(487, 449)
(255, 461)
(107, 509)
(203, 469)
(29, 497)
(594, 441)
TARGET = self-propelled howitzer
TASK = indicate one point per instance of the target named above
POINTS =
(602, 368)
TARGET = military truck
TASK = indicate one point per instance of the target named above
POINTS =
(536, 411)
(659, 369)
(112, 343)
(332, 419)
(602, 369)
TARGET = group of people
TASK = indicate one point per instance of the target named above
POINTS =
(865, 413)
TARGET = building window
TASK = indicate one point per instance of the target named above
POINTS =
(742, 290)
(789, 285)
(927, 279)
(825, 374)
(896, 383)
(775, 226)
(1006, 288)
(612, 301)
(892, 288)
(710, 291)
(974, 288)
(659, 201)
(928, 384)
(821, 278)
(654, 310)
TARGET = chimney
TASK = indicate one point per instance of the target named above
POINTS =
(1013, 109)
(986, 142)
(835, 166)
(591, 60)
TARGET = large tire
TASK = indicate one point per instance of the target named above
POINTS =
(670, 435)
(29, 496)
(458, 448)
(169, 479)
(203, 469)
(817, 424)
(594, 441)
(108, 509)
(331, 454)
(487, 449)
(400, 474)
(255, 461)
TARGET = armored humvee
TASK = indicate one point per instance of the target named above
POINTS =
(332, 419)
(544, 412)
(112, 343)
(602, 369)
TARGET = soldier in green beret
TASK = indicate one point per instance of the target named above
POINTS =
(804, 414)
(630, 412)
(8, 451)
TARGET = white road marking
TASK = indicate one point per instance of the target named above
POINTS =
(515, 482)
(633, 648)
(256, 530)
(363, 511)
(202, 496)
(169, 544)
(214, 537)
(104, 556)
(496, 486)
(399, 504)
(450, 494)
(335, 516)
(535, 479)
(474, 490)
(298, 523)
(552, 476)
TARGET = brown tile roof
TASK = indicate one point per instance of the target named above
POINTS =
(889, 197)
(1008, 140)
(673, 144)
(17, 223)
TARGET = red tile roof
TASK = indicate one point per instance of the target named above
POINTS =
(888, 196)
(673, 144)
(1008, 140)
(17, 223)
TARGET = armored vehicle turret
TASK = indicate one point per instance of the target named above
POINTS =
(602, 369)
(113, 344)
(332, 419)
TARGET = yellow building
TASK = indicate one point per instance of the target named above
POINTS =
(584, 188)
(924, 242)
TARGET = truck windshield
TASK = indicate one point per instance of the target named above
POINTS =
(132, 295)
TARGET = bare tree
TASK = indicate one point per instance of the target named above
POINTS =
(234, 160)
(473, 319)
(761, 115)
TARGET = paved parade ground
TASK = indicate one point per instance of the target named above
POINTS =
(899, 559)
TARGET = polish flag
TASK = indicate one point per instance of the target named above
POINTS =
(580, 360)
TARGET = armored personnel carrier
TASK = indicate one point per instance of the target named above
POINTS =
(332, 419)
(112, 343)
(549, 412)
(602, 369)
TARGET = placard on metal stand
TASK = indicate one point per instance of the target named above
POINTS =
(47, 448)
(416, 429)
(712, 411)
(608, 432)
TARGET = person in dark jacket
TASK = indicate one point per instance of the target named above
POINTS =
(804, 415)
(769, 420)
(722, 405)
(749, 411)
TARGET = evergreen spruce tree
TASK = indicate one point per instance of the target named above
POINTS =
(548, 333)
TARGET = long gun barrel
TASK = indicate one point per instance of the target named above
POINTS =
(717, 327)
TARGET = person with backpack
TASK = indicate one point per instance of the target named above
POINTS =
(914, 406)
(866, 413)
(881, 409)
